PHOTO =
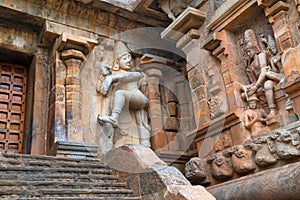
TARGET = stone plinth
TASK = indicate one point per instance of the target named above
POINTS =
(279, 183)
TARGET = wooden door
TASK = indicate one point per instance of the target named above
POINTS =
(12, 106)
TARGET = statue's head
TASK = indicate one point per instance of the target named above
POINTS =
(253, 102)
(252, 46)
(123, 59)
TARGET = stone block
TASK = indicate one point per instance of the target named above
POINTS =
(159, 139)
(75, 149)
(171, 124)
(181, 192)
(172, 109)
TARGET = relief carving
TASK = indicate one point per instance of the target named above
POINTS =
(221, 167)
(287, 144)
(265, 151)
(264, 68)
(195, 170)
(254, 118)
(242, 161)
(128, 116)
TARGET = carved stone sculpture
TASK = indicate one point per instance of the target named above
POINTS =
(221, 167)
(242, 161)
(265, 151)
(173, 8)
(128, 116)
(195, 170)
(255, 118)
(263, 75)
(287, 144)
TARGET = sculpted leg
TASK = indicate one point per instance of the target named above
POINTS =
(119, 102)
(269, 86)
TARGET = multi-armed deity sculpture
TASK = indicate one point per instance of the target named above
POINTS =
(265, 72)
(128, 119)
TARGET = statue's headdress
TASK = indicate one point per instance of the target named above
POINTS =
(251, 40)
(119, 50)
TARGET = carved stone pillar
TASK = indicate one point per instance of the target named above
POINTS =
(73, 59)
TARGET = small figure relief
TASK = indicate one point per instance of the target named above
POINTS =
(287, 144)
(242, 161)
(221, 167)
(264, 69)
(214, 105)
(265, 151)
(254, 118)
(196, 171)
(128, 116)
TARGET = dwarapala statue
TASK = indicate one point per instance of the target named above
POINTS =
(263, 68)
(122, 85)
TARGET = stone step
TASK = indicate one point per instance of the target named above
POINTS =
(84, 198)
(54, 177)
(52, 170)
(50, 192)
(25, 157)
(16, 184)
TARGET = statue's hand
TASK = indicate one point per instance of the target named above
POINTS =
(252, 90)
(106, 85)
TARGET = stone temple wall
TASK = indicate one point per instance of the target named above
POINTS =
(222, 85)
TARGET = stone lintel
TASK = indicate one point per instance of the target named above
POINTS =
(52, 30)
(18, 40)
(226, 13)
(190, 18)
(279, 6)
(279, 183)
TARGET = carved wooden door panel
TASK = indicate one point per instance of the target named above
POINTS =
(12, 106)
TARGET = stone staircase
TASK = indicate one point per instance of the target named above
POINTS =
(44, 177)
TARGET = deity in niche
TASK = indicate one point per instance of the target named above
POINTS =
(255, 118)
(263, 70)
(128, 117)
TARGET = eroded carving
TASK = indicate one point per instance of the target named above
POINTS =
(221, 167)
(287, 144)
(173, 8)
(128, 116)
(265, 151)
(242, 161)
(195, 170)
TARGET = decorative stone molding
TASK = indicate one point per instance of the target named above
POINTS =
(191, 18)
(279, 147)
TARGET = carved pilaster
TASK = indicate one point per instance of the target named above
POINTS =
(73, 60)
(65, 99)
